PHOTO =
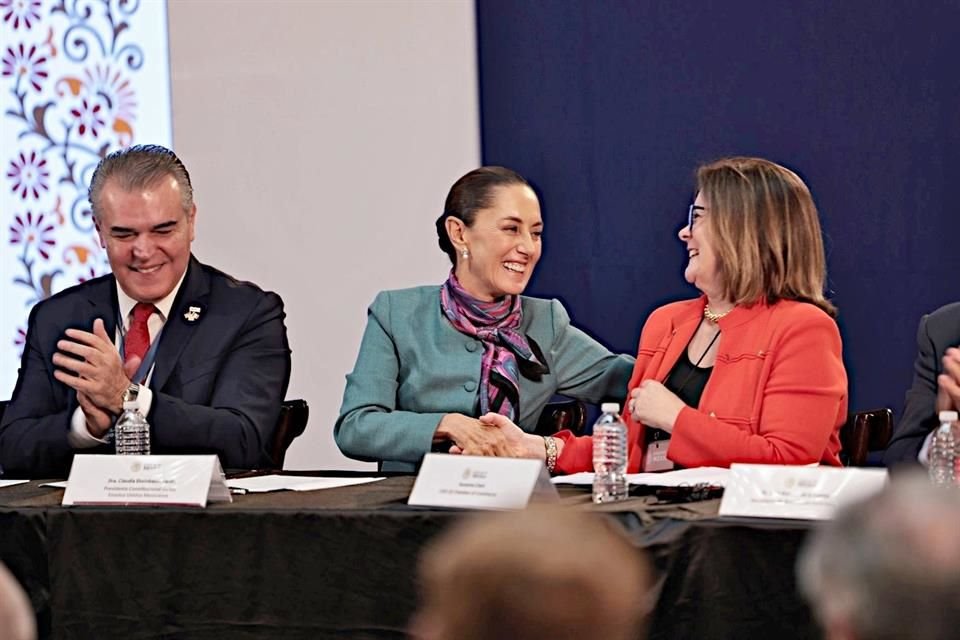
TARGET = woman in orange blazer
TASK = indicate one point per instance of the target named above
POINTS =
(751, 371)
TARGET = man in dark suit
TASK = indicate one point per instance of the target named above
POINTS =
(936, 385)
(204, 355)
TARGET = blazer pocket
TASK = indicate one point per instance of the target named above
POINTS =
(661, 346)
(740, 421)
(742, 376)
(649, 352)
(744, 424)
(654, 353)
(192, 372)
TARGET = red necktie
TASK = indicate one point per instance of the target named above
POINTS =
(138, 337)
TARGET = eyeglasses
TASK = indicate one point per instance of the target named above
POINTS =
(692, 216)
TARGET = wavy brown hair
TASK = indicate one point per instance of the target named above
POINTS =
(766, 231)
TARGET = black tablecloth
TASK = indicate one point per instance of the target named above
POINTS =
(342, 562)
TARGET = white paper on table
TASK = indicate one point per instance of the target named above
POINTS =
(274, 482)
(805, 493)
(716, 476)
(56, 485)
(11, 483)
(582, 478)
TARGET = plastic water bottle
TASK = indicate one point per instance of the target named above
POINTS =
(132, 433)
(943, 452)
(609, 455)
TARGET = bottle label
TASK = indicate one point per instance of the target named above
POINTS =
(656, 456)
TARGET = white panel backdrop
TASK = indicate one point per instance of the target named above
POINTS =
(321, 138)
(78, 78)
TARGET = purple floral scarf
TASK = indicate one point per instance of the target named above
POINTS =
(496, 324)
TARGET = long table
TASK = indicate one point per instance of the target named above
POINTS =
(341, 563)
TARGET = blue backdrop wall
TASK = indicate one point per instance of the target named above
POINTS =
(608, 107)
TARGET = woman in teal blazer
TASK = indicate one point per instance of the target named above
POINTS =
(435, 360)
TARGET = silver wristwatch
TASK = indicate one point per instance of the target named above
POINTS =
(130, 395)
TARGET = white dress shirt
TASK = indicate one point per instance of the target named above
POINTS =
(78, 436)
(924, 456)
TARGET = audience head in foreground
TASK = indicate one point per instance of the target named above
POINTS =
(442, 367)
(533, 574)
(889, 567)
(17, 621)
(204, 355)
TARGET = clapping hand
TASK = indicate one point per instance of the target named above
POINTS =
(948, 382)
(90, 364)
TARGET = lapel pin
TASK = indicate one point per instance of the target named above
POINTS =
(192, 314)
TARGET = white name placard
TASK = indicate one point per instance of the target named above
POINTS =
(806, 493)
(474, 482)
(146, 480)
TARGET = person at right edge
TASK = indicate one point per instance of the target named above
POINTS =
(752, 370)
(935, 388)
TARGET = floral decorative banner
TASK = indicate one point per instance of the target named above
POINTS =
(78, 79)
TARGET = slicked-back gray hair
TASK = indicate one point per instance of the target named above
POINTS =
(138, 167)
(889, 567)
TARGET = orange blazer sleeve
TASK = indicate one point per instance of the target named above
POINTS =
(577, 454)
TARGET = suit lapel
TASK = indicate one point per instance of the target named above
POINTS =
(178, 331)
(104, 305)
(682, 332)
(102, 298)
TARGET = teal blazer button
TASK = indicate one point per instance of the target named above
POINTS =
(470, 385)
(472, 346)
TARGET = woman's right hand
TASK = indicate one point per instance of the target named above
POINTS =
(472, 437)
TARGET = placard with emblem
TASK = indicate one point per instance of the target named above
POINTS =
(189, 480)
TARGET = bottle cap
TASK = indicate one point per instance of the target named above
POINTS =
(948, 416)
(610, 407)
(131, 405)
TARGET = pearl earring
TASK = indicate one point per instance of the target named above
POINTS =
(465, 254)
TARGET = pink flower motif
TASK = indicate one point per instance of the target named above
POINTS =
(89, 274)
(29, 175)
(19, 340)
(88, 113)
(115, 91)
(20, 11)
(26, 63)
(28, 230)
